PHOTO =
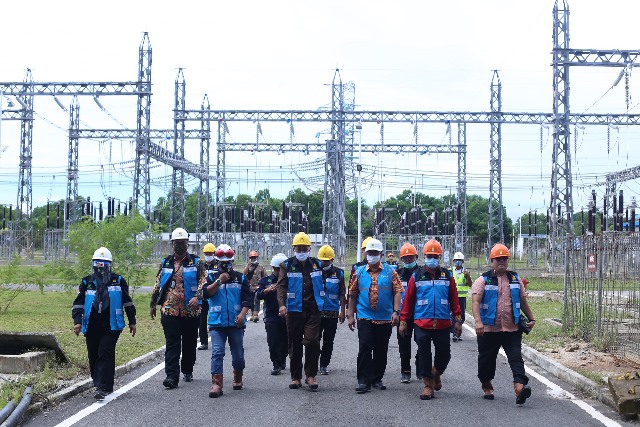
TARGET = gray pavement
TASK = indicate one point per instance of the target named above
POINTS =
(266, 400)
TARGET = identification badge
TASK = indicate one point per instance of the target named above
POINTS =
(173, 284)
(194, 288)
(322, 293)
(444, 301)
(291, 295)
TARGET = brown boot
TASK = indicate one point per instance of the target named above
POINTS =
(488, 390)
(523, 392)
(427, 391)
(437, 379)
(216, 388)
(237, 380)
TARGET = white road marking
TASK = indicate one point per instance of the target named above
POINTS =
(112, 396)
(558, 392)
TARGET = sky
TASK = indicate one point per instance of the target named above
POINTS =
(281, 55)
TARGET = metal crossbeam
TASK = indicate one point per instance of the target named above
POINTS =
(597, 57)
(317, 147)
(73, 88)
(131, 133)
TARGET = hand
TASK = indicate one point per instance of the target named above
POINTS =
(395, 319)
(193, 303)
(458, 327)
(341, 317)
(271, 288)
(132, 329)
(402, 330)
(282, 311)
(351, 322)
(479, 329)
(240, 320)
(76, 329)
(224, 277)
(531, 324)
(152, 312)
(467, 275)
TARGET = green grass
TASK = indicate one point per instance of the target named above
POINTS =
(545, 335)
(51, 312)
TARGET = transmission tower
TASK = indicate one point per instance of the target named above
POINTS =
(203, 221)
(176, 214)
(496, 218)
(461, 217)
(71, 210)
(142, 178)
(22, 224)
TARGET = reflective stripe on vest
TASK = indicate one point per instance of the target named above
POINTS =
(295, 287)
(226, 304)
(331, 293)
(116, 312)
(384, 309)
(461, 283)
(432, 297)
(489, 304)
(189, 279)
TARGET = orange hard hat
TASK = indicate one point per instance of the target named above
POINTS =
(499, 250)
(408, 249)
(432, 247)
(252, 254)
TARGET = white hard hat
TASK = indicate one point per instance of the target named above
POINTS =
(103, 254)
(374, 245)
(179, 234)
(458, 256)
(278, 259)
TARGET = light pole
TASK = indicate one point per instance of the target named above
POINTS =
(359, 191)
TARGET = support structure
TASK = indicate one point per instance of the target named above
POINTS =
(495, 224)
(203, 220)
(71, 201)
(24, 205)
(142, 177)
(461, 213)
(176, 212)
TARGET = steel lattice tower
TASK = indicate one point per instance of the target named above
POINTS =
(496, 218)
(176, 215)
(461, 224)
(203, 220)
(24, 203)
(71, 203)
(142, 178)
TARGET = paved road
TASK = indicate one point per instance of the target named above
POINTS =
(267, 401)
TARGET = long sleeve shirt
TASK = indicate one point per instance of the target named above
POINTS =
(254, 273)
(172, 298)
(409, 304)
(77, 311)
(309, 304)
(342, 290)
(270, 299)
(374, 272)
(504, 311)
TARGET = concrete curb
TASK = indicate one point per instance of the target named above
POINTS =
(84, 385)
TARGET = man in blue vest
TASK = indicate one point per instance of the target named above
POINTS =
(205, 266)
(178, 293)
(229, 301)
(98, 312)
(333, 305)
(498, 296)
(299, 296)
(430, 299)
(274, 325)
(463, 283)
(375, 292)
(409, 258)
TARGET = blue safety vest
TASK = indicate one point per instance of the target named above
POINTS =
(489, 304)
(116, 312)
(405, 274)
(432, 295)
(295, 284)
(331, 293)
(189, 276)
(384, 310)
(226, 304)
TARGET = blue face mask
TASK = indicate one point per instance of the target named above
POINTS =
(431, 262)
(458, 263)
(411, 264)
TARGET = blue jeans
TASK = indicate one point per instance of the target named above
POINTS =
(218, 343)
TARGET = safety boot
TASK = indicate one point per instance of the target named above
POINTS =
(237, 380)
(216, 388)
(427, 391)
(487, 388)
(523, 392)
(437, 379)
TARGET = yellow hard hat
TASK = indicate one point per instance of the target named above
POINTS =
(301, 239)
(365, 241)
(209, 248)
(326, 253)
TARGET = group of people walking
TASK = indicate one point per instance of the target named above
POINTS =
(304, 300)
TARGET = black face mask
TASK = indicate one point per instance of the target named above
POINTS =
(226, 267)
(180, 247)
(102, 274)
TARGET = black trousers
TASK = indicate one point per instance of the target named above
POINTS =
(442, 345)
(328, 328)
(404, 346)
(488, 347)
(203, 327)
(181, 336)
(277, 342)
(372, 353)
(101, 349)
(303, 329)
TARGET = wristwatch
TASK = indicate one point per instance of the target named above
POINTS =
(397, 312)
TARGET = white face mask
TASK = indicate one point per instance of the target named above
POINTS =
(302, 256)
(254, 262)
(208, 258)
(328, 267)
(373, 259)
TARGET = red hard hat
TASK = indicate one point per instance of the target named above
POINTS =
(432, 247)
(252, 254)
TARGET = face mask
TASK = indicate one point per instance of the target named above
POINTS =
(102, 271)
(328, 267)
(208, 258)
(180, 247)
(227, 267)
(411, 264)
(302, 256)
(254, 262)
(373, 259)
(431, 263)
(458, 263)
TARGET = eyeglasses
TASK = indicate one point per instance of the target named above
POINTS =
(301, 249)
(229, 253)
(502, 258)
(432, 256)
(101, 263)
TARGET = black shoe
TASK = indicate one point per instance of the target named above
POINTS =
(100, 394)
(203, 347)
(170, 383)
(363, 388)
(405, 377)
(324, 370)
(276, 370)
(379, 385)
(283, 366)
(188, 378)
(524, 395)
